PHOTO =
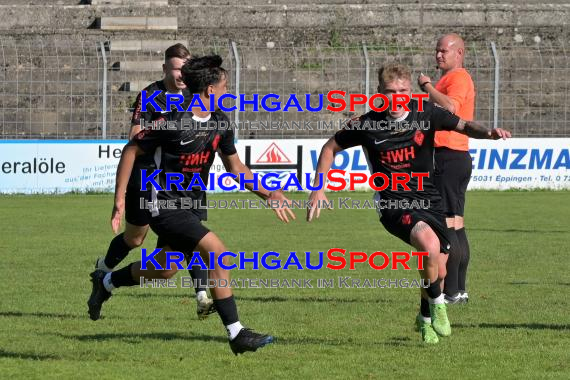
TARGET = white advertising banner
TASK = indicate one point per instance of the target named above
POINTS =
(50, 166)
(54, 166)
(500, 165)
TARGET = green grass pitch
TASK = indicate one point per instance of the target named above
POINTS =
(517, 324)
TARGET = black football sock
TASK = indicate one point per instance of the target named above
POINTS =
(117, 251)
(228, 313)
(123, 277)
(434, 290)
(227, 310)
(450, 285)
(424, 308)
(466, 254)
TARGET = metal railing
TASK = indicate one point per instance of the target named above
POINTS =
(58, 89)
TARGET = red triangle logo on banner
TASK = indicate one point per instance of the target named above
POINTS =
(273, 155)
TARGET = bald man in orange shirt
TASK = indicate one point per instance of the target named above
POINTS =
(456, 93)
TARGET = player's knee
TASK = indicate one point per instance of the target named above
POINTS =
(433, 258)
(134, 235)
(134, 241)
(441, 272)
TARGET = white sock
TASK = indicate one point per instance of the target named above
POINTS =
(107, 282)
(201, 295)
(101, 265)
(426, 319)
(438, 300)
(234, 329)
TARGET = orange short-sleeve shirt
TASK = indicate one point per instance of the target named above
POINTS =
(458, 85)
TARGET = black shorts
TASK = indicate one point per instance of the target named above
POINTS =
(182, 230)
(452, 175)
(400, 222)
(134, 214)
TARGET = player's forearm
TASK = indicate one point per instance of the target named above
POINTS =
(437, 97)
(474, 129)
(248, 175)
(326, 159)
(124, 169)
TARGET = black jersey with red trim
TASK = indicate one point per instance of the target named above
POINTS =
(146, 161)
(190, 149)
(406, 146)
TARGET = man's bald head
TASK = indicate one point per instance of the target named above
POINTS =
(450, 51)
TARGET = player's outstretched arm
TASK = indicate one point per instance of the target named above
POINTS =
(436, 96)
(234, 165)
(317, 197)
(479, 131)
(124, 170)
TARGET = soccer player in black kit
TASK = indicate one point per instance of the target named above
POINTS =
(137, 219)
(187, 151)
(406, 145)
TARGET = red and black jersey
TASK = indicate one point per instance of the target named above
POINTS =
(405, 146)
(190, 149)
(150, 114)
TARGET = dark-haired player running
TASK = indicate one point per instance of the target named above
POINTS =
(407, 150)
(137, 219)
(187, 151)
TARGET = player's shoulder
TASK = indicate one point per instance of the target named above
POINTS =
(155, 86)
(219, 115)
(428, 105)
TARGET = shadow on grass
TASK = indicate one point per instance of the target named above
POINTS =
(538, 283)
(27, 356)
(137, 338)
(349, 342)
(267, 298)
(528, 326)
(519, 230)
(42, 315)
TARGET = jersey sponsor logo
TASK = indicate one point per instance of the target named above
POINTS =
(186, 142)
(379, 142)
(273, 155)
(194, 159)
(398, 155)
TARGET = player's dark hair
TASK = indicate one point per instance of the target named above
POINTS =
(200, 72)
(176, 51)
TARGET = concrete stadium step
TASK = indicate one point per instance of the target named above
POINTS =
(140, 3)
(138, 23)
(136, 45)
(38, 2)
(341, 17)
(138, 65)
